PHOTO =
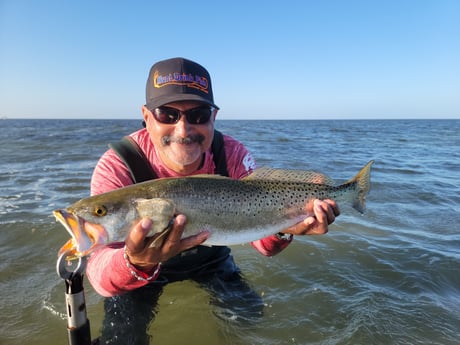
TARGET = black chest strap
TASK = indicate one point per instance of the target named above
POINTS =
(140, 168)
(218, 154)
(133, 157)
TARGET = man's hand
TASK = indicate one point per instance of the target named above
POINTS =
(323, 214)
(144, 257)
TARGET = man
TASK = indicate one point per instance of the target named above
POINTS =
(179, 117)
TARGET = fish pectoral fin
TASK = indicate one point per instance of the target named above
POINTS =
(158, 241)
(160, 211)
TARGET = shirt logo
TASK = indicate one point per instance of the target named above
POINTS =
(195, 82)
(249, 163)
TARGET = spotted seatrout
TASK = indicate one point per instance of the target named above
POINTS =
(233, 211)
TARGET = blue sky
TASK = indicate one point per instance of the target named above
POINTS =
(268, 59)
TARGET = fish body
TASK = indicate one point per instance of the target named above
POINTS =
(233, 211)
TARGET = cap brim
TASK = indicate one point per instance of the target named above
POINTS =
(161, 101)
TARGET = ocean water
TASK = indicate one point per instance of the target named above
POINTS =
(390, 276)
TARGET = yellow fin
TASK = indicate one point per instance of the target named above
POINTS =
(363, 180)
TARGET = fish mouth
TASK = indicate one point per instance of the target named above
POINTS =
(86, 236)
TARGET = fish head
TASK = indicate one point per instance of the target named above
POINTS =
(91, 222)
(86, 236)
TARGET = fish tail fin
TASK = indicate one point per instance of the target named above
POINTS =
(363, 185)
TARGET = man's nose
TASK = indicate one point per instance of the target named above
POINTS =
(182, 127)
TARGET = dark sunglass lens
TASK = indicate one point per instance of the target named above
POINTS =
(199, 116)
(166, 115)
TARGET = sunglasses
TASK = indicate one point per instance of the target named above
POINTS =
(195, 116)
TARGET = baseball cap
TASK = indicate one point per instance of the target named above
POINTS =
(178, 79)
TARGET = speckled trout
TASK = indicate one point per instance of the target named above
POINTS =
(233, 211)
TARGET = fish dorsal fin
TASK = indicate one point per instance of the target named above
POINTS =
(211, 176)
(305, 176)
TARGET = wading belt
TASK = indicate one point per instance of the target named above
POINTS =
(140, 168)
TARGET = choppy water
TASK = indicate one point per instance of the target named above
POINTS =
(391, 276)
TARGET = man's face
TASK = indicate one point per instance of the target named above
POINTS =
(180, 145)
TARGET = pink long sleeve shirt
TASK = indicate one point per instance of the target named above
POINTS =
(107, 269)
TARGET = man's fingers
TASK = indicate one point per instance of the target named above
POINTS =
(326, 211)
(144, 252)
(135, 241)
(195, 240)
(330, 217)
(176, 232)
(335, 208)
(175, 239)
(320, 213)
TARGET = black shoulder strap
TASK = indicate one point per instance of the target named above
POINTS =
(133, 157)
(140, 168)
(218, 153)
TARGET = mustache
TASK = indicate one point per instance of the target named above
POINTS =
(191, 139)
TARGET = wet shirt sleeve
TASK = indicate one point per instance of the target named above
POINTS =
(109, 275)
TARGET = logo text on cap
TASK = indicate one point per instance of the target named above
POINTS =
(196, 82)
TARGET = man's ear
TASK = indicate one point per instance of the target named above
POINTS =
(145, 113)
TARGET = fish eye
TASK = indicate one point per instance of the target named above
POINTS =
(100, 211)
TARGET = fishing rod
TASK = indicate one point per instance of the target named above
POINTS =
(78, 329)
